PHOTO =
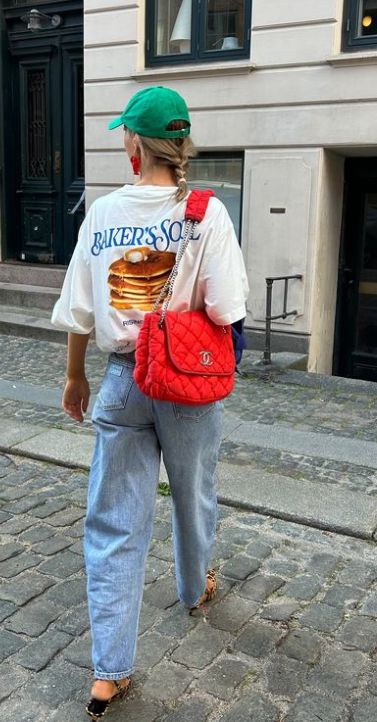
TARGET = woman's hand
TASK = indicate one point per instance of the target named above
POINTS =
(76, 393)
(76, 397)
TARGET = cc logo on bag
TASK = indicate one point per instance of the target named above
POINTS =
(206, 358)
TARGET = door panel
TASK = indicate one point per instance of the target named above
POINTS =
(37, 231)
(37, 193)
(364, 355)
(45, 165)
(73, 142)
(356, 351)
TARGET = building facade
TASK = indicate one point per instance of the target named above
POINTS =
(283, 98)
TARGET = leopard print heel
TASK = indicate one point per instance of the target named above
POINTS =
(210, 590)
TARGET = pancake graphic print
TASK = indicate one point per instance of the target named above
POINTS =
(136, 280)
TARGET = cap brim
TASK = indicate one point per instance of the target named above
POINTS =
(115, 123)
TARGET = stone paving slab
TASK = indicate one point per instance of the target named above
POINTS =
(325, 446)
(303, 443)
(315, 503)
(321, 415)
(310, 503)
(310, 428)
(31, 393)
(296, 644)
(26, 392)
(13, 432)
(59, 446)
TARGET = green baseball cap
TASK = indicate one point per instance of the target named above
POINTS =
(150, 111)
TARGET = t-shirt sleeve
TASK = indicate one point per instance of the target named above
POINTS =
(73, 311)
(223, 274)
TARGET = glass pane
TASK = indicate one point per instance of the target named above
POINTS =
(224, 175)
(367, 312)
(36, 124)
(173, 27)
(368, 18)
(225, 25)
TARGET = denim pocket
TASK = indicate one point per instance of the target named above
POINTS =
(116, 386)
(193, 413)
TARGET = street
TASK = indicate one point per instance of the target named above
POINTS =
(292, 635)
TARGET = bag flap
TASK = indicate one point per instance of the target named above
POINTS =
(198, 346)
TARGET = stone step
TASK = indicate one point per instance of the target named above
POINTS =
(32, 274)
(25, 296)
(29, 323)
(252, 361)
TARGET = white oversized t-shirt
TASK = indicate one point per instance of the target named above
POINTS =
(124, 253)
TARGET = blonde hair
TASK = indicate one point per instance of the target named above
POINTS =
(174, 152)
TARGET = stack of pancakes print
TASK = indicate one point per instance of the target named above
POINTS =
(136, 279)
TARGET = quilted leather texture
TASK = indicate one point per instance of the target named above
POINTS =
(197, 203)
(189, 360)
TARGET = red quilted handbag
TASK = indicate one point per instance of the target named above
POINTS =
(184, 356)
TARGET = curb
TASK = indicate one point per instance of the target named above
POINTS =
(306, 503)
(306, 379)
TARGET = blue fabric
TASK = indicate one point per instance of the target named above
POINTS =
(132, 433)
(239, 339)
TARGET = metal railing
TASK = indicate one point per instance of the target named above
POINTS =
(269, 318)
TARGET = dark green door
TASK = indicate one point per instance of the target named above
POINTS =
(357, 318)
(46, 160)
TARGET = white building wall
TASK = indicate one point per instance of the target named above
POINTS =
(297, 95)
(325, 262)
(280, 197)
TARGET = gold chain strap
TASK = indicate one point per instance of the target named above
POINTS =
(167, 290)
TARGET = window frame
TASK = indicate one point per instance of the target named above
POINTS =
(351, 40)
(197, 54)
(226, 154)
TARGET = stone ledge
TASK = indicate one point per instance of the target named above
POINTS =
(194, 71)
(354, 58)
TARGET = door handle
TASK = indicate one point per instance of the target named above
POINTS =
(57, 162)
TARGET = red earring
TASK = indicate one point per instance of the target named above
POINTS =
(136, 164)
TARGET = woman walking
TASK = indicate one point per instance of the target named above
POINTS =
(124, 254)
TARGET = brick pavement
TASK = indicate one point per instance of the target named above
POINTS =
(291, 637)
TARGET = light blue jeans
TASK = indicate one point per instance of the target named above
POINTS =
(132, 431)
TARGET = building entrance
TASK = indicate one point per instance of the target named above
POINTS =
(43, 131)
(356, 347)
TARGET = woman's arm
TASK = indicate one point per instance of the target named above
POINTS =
(76, 392)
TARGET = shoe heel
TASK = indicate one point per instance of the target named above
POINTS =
(123, 692)
(97, 708)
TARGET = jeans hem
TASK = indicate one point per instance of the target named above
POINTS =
(195, 605)
(110, 676)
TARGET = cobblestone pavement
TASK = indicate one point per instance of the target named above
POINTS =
(291, 637)
(341, 411)
(338, 411)
(43, 363)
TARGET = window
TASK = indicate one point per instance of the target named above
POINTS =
(184, 31)
(223, 172)
(361, 24)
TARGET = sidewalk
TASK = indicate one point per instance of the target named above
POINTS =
(296, 446)
(292, 636)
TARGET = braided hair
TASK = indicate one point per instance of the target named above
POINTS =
(174, 152)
